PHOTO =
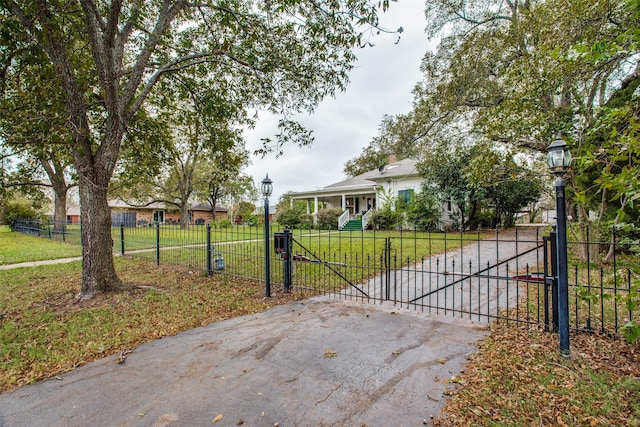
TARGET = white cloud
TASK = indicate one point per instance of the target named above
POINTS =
(381, 83)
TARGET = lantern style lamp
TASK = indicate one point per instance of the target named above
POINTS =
(266, 188)
(558, 157)
(559, 160)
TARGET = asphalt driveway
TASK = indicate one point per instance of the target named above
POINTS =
(319, 362)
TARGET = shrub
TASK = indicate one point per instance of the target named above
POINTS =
(224, 223)
(385, 219)
(290, 217)
(423, 212)
(328, 218)
(17, 209)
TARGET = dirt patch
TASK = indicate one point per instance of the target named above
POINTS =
(65, 301)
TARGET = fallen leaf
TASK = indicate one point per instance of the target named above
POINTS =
(216, 419)
(442, 361)
(329, 354)
(477, 411)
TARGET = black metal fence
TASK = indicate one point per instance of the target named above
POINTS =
(479, 276)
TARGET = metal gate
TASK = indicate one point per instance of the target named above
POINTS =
(505, 277)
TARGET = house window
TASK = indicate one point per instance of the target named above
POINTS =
(449, 204)
(405, 195)
(158, 217)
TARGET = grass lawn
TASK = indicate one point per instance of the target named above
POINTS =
(16, 248)
(43, 333)
(516, 377)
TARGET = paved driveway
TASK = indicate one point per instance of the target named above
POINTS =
(320, 362)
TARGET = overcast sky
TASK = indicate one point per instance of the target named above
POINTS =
(381, 83)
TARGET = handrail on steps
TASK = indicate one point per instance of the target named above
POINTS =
(366, 217)
(343, 219)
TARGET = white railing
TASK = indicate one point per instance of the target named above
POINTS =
(343, 219)
(365, 218)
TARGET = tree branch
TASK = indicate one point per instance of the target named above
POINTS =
(166, 16)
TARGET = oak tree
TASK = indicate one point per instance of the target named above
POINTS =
(109, 56)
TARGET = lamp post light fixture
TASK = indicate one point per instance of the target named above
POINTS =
(559, 160)
(266, 188)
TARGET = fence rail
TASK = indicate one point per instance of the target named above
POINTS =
(479, 276)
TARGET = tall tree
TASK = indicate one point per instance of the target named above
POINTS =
(222, 180)
(391, 140)
(33, 122)
(519, 72)
(110, 56)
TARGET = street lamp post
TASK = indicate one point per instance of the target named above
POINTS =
(267, 187)
(558, 160)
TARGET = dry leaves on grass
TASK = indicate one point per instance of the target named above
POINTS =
(52, 333)
(518, 377)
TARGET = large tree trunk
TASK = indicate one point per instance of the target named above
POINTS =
(98, 269)
(94, 171)
(60, 209)
(55, 172)
(184, 216)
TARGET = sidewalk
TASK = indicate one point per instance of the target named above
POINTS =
(37, 263)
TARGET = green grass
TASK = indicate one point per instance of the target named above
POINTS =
(17, 248)
(42, 333)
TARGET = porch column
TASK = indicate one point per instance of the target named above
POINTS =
(315, 205)
(308, 207)
(344, 202)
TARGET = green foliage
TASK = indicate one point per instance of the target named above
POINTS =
(386, 218)
(223, 223)
(631, 330)
(327, 219)
(103, 72)
(391, 140)
(423, 211)
(445, 178)
(245, 211)
(611, 164)
(509, 197)
(512, 75)
(627, 234)
(290, 217)
(19, 209)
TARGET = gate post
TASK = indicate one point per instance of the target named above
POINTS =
(209, 252)
(121, 238)
(563, 279)
(554, 281)
(387, 267)
(286, 256)
(158, 243)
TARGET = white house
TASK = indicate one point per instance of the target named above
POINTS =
(359, 195)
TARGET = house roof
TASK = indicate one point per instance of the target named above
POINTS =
(207, 207)
(369, 180)
(118, 203)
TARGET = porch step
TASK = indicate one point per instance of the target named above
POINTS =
(352, 225)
